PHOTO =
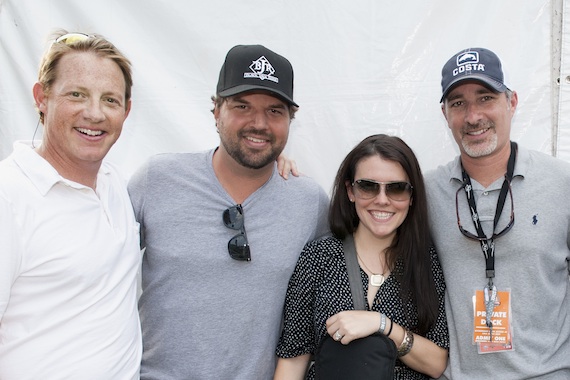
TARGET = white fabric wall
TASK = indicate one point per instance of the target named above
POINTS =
(563, 116)
(361, 67)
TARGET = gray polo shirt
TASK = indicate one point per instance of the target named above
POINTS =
(531, 261)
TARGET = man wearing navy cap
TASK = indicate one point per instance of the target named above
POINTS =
(507, 271)
(223, 232)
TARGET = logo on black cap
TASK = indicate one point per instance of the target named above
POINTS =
(255, 67)
(261, 68)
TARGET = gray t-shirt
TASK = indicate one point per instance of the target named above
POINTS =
(205, 315)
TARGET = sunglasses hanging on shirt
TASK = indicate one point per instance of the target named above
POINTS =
(238, 246)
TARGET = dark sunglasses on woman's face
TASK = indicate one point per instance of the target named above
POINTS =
(396, 191)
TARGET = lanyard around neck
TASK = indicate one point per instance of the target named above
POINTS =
(487, 244)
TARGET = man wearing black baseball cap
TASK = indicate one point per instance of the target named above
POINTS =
(223, 232)
(508, 289)
(268, 72)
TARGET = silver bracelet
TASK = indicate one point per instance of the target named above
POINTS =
(382, 323)
(407, 343)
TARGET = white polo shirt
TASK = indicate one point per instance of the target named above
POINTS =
(68, 274)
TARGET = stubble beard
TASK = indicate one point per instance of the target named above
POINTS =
(247, 158)
(481, 148)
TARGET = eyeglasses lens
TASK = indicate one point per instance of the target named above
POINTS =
(398, 191)
(233, 217)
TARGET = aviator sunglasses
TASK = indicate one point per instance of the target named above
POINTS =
(71, 38)
(495, 235)
(238, 246)
(396, 191)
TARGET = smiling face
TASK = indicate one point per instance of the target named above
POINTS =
(380, 216)
(253, 128)
(84, 111)
(480, 119)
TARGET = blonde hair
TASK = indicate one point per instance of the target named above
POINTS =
(91, 43)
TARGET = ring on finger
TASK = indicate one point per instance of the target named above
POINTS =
(337, 336)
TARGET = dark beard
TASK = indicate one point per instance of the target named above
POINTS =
(250, 160)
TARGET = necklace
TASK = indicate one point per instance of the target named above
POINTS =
(375, 279)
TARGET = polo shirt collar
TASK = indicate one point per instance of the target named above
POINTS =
(40, 172)
(521, 165)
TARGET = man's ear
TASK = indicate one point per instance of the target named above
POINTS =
(39, 96)
(443, 111)
(128, 108)
(514, 102)
(216, 113)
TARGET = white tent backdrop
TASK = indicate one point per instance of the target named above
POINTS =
(361, 67)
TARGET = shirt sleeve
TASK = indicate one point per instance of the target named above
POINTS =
(439, 333)
(10, 253)
(297, 337)
(323, 215)
(137, 188)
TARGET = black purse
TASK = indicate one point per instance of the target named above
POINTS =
(372, 357)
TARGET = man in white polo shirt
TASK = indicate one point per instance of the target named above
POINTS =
(70, 243)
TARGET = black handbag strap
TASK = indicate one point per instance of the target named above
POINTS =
(353, 270)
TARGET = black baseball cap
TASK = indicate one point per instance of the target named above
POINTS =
(476, 64)
(255, 67)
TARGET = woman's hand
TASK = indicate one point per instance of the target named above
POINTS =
(353, 324)
(286, 165)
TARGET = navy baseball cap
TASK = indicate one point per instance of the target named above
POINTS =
(255, 67)
(476, 64)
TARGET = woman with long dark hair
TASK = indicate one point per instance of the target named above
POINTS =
(379, 201)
